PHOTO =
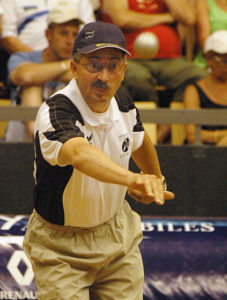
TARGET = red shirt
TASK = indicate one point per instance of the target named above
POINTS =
(169, 41)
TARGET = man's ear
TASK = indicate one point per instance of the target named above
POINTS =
(74, 66)
(123, 71)
(47, 33)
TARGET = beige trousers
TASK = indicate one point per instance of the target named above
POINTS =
(102, 262)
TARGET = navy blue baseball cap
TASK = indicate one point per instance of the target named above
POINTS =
(99, 35)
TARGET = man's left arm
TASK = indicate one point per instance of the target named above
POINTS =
(146, 157)
(147, 160)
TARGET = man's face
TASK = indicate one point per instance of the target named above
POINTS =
(61, 38)
(99, 75)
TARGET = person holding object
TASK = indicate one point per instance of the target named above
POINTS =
(82, 238)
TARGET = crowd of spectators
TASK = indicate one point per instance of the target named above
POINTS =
(24, 29)
(211, 16)
(211, 91)
(51, 64)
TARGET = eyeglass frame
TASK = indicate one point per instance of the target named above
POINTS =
(77, 56)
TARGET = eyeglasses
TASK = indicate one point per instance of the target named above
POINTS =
(96, 67)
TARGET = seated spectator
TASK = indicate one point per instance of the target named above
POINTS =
(3, 59)
(211, 16)
(211, 91)
(168, 67)
(24, 22)
(38, 74)
(96, 8)
(1, 13)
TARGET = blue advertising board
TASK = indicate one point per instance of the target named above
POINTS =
(183, 259)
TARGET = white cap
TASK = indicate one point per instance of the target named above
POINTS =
(216, 42)
(63, 12)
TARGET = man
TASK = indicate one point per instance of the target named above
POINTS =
(82, 238)
(38, 74)
(168, 67)
(24, 22)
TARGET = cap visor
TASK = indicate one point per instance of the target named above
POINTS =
(92, 48)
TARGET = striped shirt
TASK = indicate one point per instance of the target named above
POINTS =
(62, 194)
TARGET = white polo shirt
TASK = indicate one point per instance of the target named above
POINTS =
(77, 199)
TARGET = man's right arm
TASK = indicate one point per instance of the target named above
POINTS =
(95, 163)
(125, 18)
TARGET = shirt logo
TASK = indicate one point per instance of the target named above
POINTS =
(125, 145)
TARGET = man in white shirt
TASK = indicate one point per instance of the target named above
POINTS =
(24, 22)
(83, 238)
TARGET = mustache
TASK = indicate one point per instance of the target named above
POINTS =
(100, 84)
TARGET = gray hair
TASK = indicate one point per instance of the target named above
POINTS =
(77, 56)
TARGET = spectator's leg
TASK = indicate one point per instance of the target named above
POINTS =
(140, 82)
(178, 73)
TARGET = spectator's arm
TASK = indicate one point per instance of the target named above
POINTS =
(10, 40)
(214, 136)
(31, 96)
(85, 11)
(191, 101)
(12, 44)
(66, 76)
(0, 25)
(27, 74)
(182, 11)
(223, 141)
(202, 23)
(125, 18)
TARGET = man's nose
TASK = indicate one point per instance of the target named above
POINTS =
(104, 75)
(70, 39)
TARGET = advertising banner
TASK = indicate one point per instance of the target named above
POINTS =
(183, 259)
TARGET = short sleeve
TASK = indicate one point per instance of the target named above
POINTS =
(58, 120)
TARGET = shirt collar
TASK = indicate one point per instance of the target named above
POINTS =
(94, 119)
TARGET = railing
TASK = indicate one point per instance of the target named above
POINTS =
(158, 115)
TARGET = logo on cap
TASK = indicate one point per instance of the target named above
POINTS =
(89, 34)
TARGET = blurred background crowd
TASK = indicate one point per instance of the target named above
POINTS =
(178, 55)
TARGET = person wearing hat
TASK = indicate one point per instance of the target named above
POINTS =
(82, 238)
(211, 91)
(24, 22)
(37, 74)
